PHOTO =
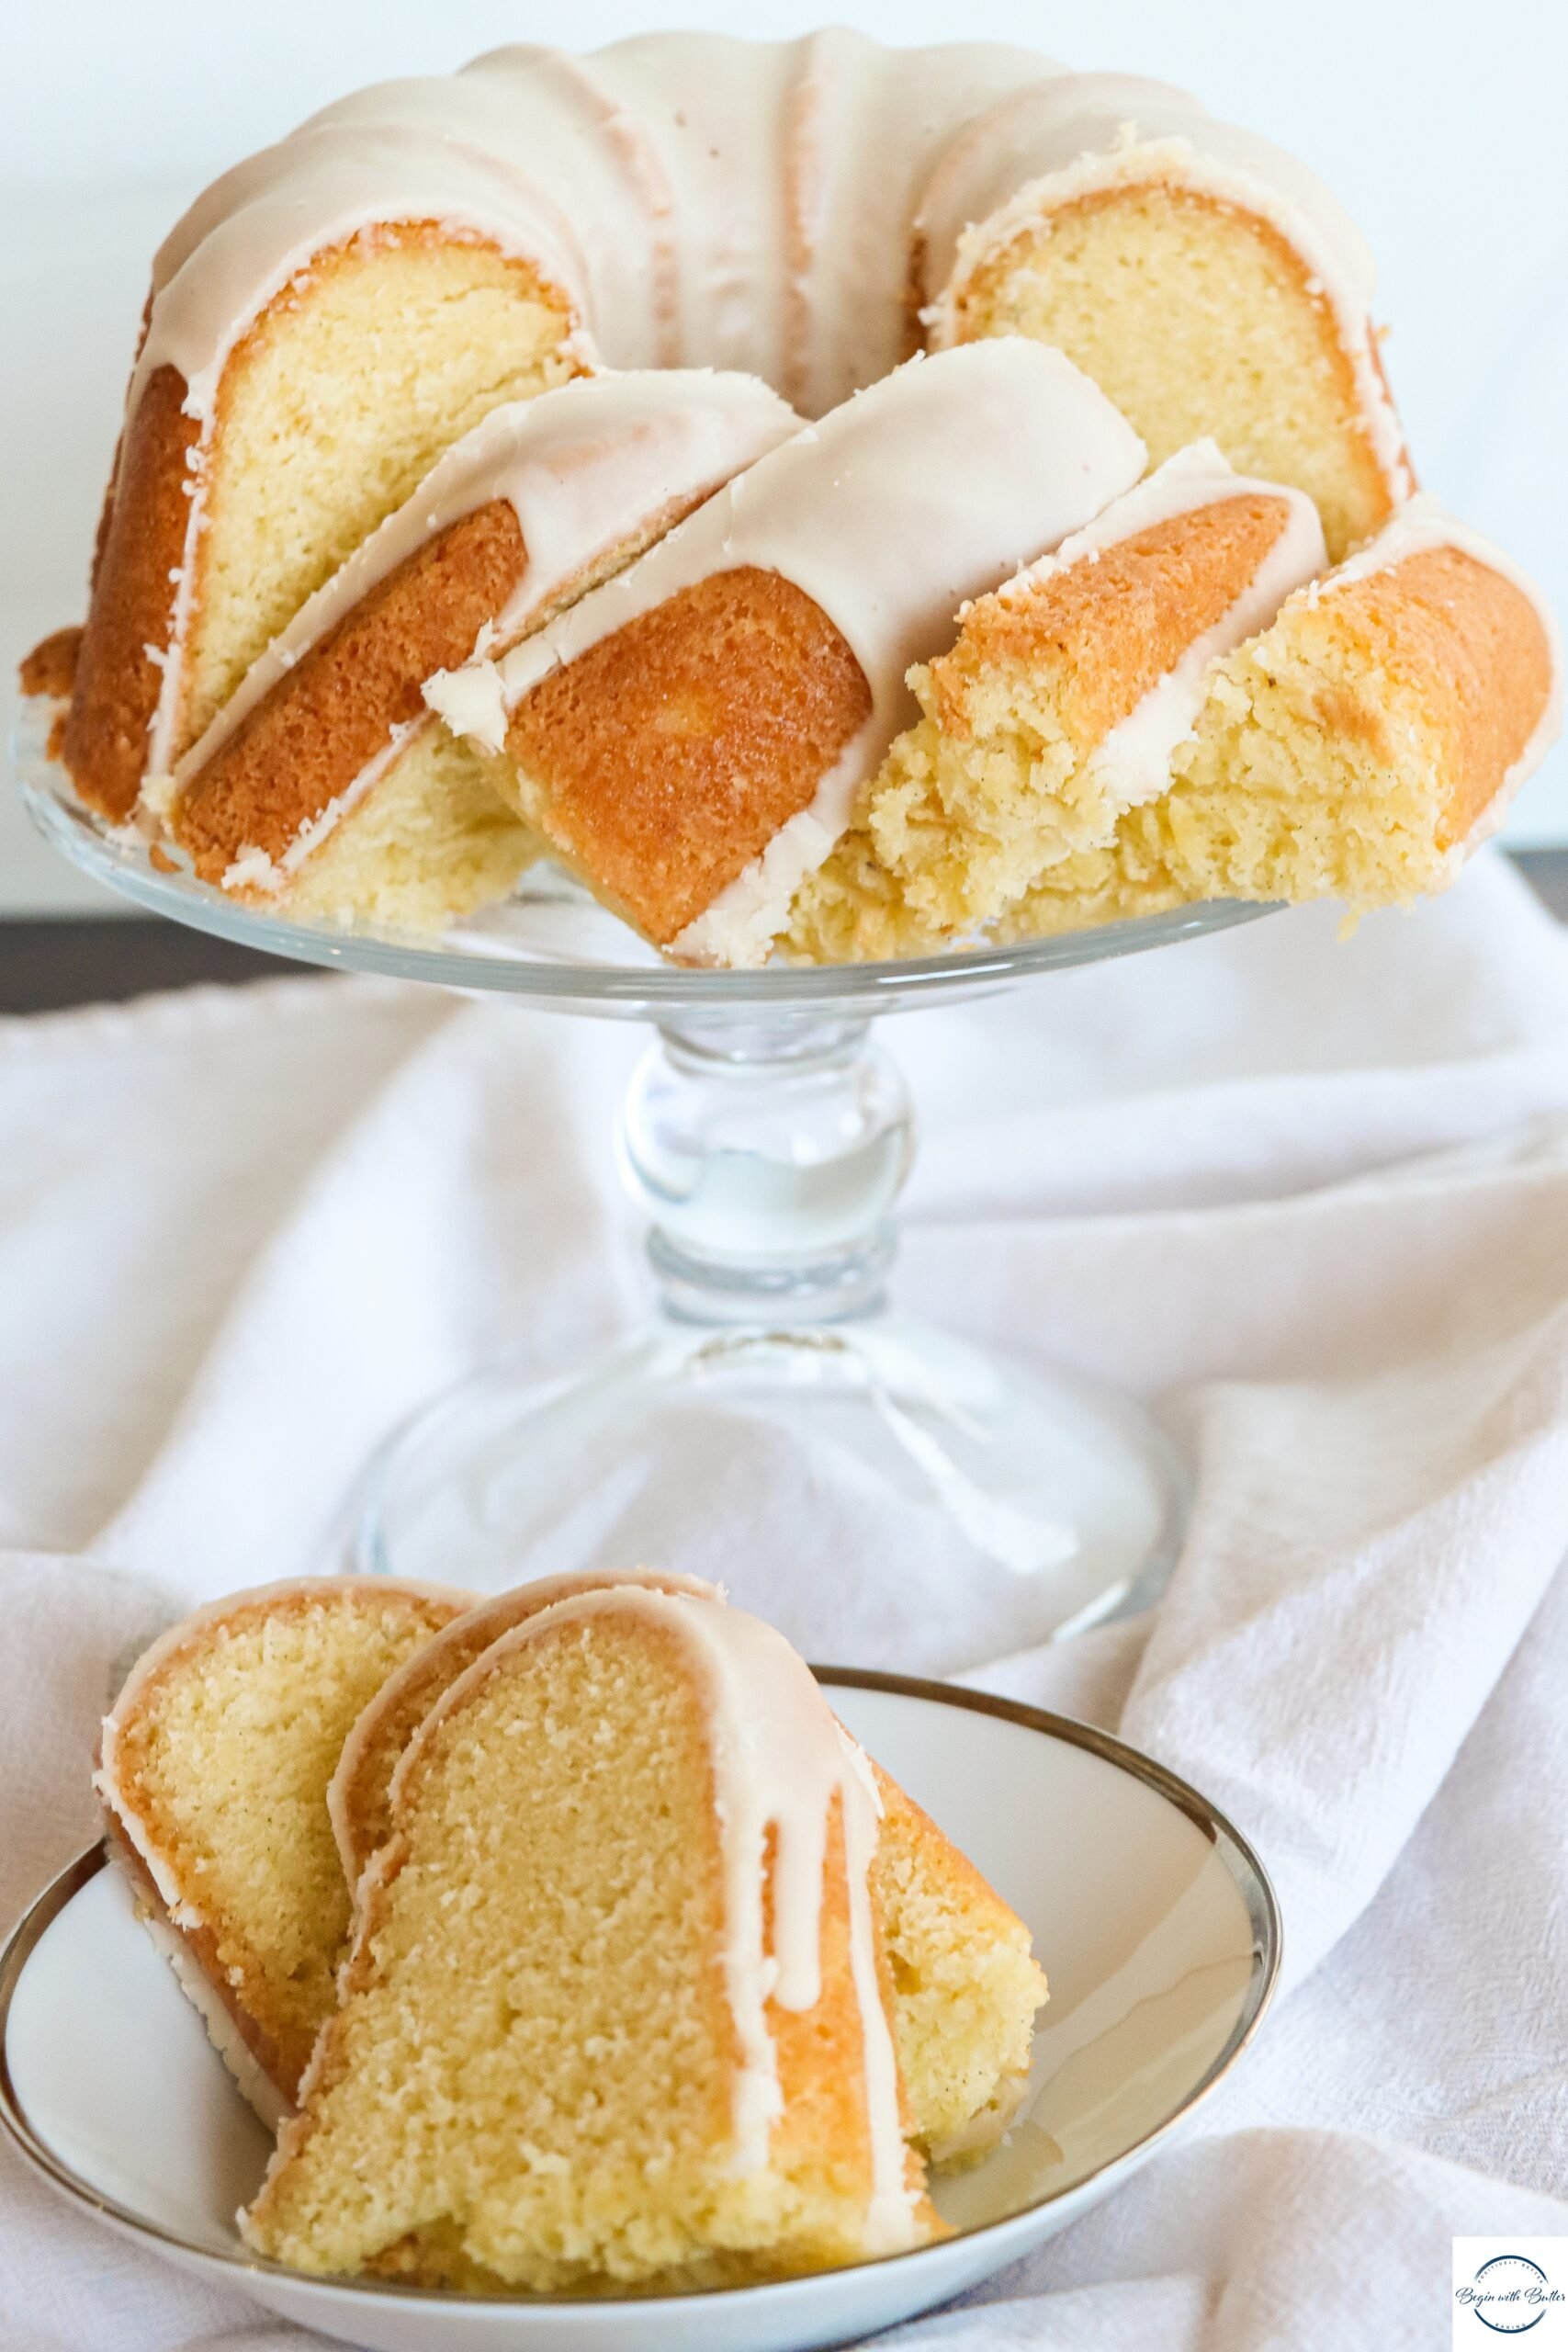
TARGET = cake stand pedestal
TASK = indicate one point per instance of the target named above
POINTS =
(765, 1136)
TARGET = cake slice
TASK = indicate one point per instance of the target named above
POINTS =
(1357, 749)
(1058, 707)
(212, 1769)
(615, 2009)
(310, 349)
(324, 787)
(249, 1707)
(966, 1983)
(1205, 281)
(965, 1986)
(359, 1795)
(690, 738)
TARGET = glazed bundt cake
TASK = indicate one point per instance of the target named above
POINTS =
(336, 313)
(965, 1986)
(1356, 749)
(689, 737)
(324, 782)
(212, 1769)
(339, 311)
(619, 2016)
(1058, 707)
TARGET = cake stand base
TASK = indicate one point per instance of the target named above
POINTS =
(777, 1426)
(978, 1466)
(777, 1407)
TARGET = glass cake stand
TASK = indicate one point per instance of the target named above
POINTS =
(765, 1137)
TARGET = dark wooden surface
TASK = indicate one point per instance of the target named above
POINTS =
(47, 962)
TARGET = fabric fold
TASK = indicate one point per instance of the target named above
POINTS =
(1309, 1200)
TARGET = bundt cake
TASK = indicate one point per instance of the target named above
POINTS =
(617, 2017)
(1058, 707)
(334, 313)
(965, 1986)
(323, 781)
(1205, 281)
(211, 1770)
(689, 737)
(1356, 749)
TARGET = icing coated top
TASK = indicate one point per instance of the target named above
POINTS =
(925, 491)
(584, 468)
(780, 1761)
(695, 198)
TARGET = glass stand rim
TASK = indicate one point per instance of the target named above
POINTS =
(553, 946)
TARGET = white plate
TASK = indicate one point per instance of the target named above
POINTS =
(1154, 1922)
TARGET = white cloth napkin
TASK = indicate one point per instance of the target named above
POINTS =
(1310, 1197)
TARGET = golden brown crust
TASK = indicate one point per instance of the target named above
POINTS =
(130, 622)
(1111, 628)
(50, 668)
(326, 719)
(202, 1944)
(1473, 647)
(668, 755)
(824, 2127)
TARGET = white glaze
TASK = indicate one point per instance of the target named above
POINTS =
(1132, 762)
(1425, 522)
(687, 197)
(584, 468)
(695, 196)
(780, 1760)
(924, 490)
(1062, 140)
(471, 702)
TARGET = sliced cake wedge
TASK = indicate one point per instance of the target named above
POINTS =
(1058, 707)
(212, 1770)
(616, 2012)
(1358, 748)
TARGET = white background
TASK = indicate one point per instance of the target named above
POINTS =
(1444, 127)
